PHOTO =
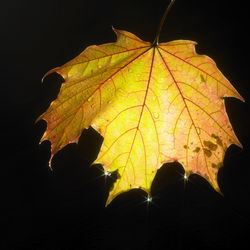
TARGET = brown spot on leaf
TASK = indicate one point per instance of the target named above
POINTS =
(185, 146)
(214, 165)
(217, 165)
(214, 136)
(210, 145)
(197, 149)
(202, 78)
(218, 140)
(207, 152)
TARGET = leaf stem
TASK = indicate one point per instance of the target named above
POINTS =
(155, 43)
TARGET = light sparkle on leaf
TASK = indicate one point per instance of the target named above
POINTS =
(107, 173)
(149, 199)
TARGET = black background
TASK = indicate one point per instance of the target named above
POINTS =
(64, 209)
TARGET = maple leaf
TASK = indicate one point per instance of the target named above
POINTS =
(153, 103)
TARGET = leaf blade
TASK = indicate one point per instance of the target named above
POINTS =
(152, 104)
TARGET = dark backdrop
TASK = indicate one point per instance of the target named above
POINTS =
(64, 209)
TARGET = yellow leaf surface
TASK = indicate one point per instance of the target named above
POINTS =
(153, 104)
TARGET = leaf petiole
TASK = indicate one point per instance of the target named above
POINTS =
(156, 41)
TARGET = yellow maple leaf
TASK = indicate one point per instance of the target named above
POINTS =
(153, 103)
